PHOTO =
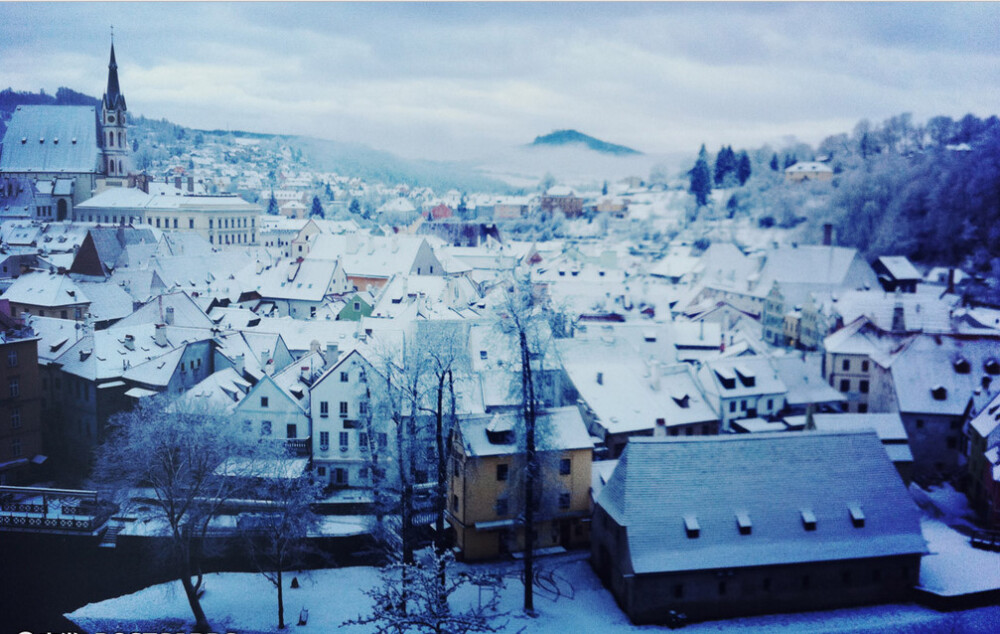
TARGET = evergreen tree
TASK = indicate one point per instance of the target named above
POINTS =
(272, 205)
(774, 162)
(317, 209)
(701, 178)
(743, 169)
(604, 189)
(354, 207)
(463, 209)
(725, 163)
(790, 160)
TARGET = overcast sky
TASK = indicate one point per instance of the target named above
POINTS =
(459, 80)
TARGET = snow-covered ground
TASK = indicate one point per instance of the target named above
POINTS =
(570, 599)
(246, 603)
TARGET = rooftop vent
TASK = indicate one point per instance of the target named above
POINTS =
(808, 520)
(691, 526)
(992, 367)
(857, 516)
(743, 522)
(962, 366)
(939, 392)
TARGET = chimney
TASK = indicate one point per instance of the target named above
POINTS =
(951, 281)
(239, 363)
(313, 346)
(129, 342)
(827, 234)
(332, 352)
(190, 184)
(265, 357)
(600, 378)
(305, 375)
(170, 315)
(160, 335)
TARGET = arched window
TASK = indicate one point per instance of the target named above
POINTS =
(120, 170)
(111, 166)
(111, 139)
(120, 142)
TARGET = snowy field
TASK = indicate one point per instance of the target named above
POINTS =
(573, 601)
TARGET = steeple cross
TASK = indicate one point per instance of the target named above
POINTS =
(112, 33)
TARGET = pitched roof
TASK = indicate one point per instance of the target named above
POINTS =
(51, 139)
(557, 429)
(776, 480)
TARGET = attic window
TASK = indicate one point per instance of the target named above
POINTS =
(857, 516)
(939, 393)
(962, 366)
(746, 377)
(683, 402)
(808, 520)
(691, 526)
(992, 366)
(73, 140)
(743, 522)
(482, 354)
(24, 140)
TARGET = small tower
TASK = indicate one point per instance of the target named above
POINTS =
(114, 138)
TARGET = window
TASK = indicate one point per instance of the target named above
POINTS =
(454, 503)
(501, 506)
(482, 354)
(732, 406)
(343, 409)
(862, 408)
(564, 466)
(345, 440)
(210, 223)
(770, 404)
(502, 472)
(383, 440)
(14, 386)
(175, 223)
(363, 440)
(864, 366)
(340, 476)
(344, 377)
(847, 365)
(845, 385)
(321, 472)
(564, 499)
(863, 387)
(190, 223)
(357, 306)
(291, 431)
(15, 417)
(15, 448)
(362, 408)
(263, 401)
(324, 440)
(12, 358)
(265, 428)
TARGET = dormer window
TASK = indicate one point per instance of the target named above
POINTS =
(962, 366)
(939, 392)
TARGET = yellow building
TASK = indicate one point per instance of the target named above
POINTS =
(486, 486)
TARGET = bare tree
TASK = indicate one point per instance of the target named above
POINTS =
(174, 451)
(522, 319)
(276, 532)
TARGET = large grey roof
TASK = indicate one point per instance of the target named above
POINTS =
(557, 429)
(772, 478)
(49, 133)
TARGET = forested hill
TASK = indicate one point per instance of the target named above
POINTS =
(929, 192)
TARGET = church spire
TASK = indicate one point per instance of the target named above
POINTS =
(113, 95)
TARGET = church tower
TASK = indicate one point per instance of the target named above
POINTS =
(115, 139)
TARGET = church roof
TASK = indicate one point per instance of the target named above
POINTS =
(51, 139)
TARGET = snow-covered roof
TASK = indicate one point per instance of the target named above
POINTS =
(900, 267)
(803, 376)
(776, 480)
(51, 139)
(48, 290)
(557, 429)
(987, 421)
(808, 167)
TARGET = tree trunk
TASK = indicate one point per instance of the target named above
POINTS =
(439, 499)
(200, 621)
(281, 602)
(528, 393)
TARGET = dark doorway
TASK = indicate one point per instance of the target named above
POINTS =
(61, 209)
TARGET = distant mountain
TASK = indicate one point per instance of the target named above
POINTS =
(571, 137)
